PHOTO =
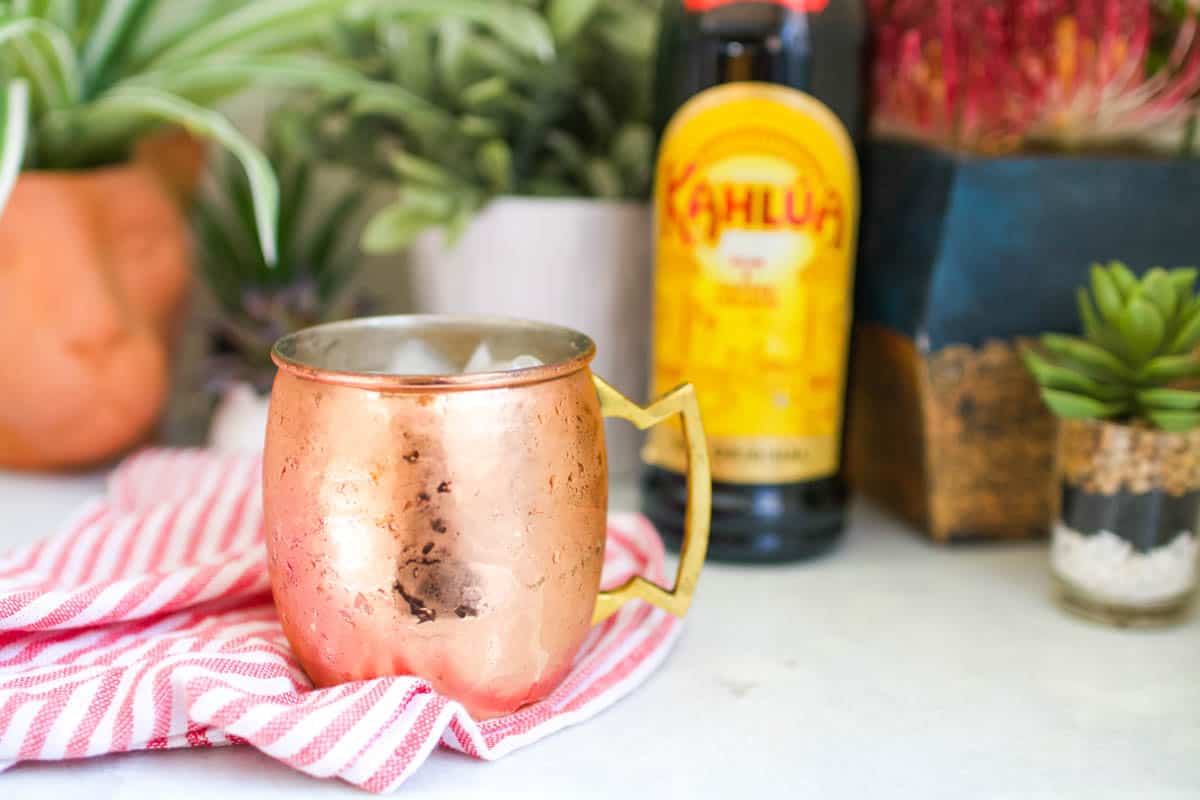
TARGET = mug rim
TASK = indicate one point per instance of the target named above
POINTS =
(383, 381)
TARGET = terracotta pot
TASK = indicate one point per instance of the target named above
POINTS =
(94, 273)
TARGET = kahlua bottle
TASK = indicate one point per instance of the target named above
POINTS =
(756, 218)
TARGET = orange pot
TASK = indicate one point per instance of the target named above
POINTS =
(94, 271)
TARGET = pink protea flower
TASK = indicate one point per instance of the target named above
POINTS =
(995, 76)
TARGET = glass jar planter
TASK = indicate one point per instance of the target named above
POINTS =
(1125, 544)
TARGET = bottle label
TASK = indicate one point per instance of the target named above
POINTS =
(794, 5)
(756, 213)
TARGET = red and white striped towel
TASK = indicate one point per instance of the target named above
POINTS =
(147, 623)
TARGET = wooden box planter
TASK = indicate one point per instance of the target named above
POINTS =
(961, 257)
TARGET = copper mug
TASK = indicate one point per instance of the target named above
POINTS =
(452, 526)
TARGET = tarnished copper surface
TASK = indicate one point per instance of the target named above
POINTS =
(450, 527)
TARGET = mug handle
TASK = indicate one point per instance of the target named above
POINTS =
(681, 400)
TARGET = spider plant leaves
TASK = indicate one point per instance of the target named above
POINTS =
(49, 55)
(214, 79)
(521, 28)
(208, 124)
(117, 25)
(14, 132)
(1069, 405)
(259, 26)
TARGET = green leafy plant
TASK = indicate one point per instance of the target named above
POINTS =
(1136, 355)
(259, 302)
(547, 98)
(82, 80)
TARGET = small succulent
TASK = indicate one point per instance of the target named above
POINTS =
(546, 98)
(1136, 355)
(257, 302)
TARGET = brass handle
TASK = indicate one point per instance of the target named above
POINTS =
(681, 400)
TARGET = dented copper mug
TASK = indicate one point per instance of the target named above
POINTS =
(451, 526)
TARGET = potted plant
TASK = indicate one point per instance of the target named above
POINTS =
(258, 302)
(523, 154)
(95, 248)
(1125, 545)
(1012, 143)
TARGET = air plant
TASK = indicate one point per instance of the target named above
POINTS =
(546, 98)
(995, 77)
(258, 302)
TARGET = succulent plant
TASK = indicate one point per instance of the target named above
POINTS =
(1136, 355)
(257, 302)
(1038, 74)
(528, 97)
(82, 80)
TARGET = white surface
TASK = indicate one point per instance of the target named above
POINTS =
(892, 669)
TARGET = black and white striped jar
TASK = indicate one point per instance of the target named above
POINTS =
(1125, 545)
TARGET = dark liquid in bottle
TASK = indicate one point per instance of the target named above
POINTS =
(817, 52)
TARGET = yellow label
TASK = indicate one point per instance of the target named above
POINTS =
(756, 212)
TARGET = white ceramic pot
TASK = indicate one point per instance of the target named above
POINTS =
(239, 423)
(585, 264)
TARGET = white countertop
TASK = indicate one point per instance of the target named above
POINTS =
(891, 669)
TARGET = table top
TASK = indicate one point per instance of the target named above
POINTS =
(892, 668)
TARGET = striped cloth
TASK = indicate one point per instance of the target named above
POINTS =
(147, 623)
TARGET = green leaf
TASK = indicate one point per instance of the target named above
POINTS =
(521, 28)
(395, 227)
(1099, 362)
(1108, 297)
(210, 124)
(1188, 335)
(1142, 327)
(1156, 285)
(494, 162)
(220, 77)
(53, 92)
(327, 232)
(1165, 369)
(1175, 421)
(1121, 276)
(567, 17)
(410, 51)
(1053, 376)
(14, 131)
(1170, 399)
(1074, 406)
(421, 170)
(252, 27)
(480, 127)
(1183, 279)
(110, 35)
(485, 92)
